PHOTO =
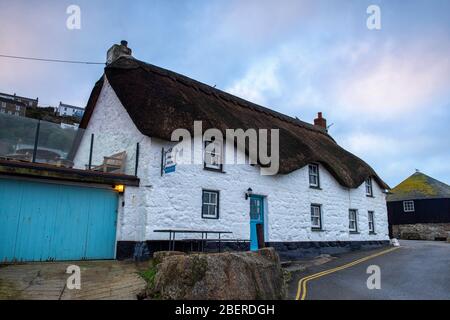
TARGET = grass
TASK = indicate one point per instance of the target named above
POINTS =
(149, 274)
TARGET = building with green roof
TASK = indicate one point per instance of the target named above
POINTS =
(419, 208)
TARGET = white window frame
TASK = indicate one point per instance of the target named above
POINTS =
(369, 187)
(210, 205)
(217, 153)
(408, 206)
(371, 221)
(313, 175)
(316, 213)
(351, 219)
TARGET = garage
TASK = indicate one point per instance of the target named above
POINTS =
(45, 222)
(70, 217)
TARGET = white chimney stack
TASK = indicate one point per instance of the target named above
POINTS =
(117, 51)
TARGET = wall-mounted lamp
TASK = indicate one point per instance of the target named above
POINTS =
(248, 193)
(119, 188)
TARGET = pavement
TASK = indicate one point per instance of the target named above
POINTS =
(417, 270)
(100, 280)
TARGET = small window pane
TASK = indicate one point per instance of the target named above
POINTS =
(352, 215)
(371, 222)
(314, 175)
(210, 204)
(408, 206)
(213, 155)
(316, 217)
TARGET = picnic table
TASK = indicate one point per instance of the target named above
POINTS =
(172, 233)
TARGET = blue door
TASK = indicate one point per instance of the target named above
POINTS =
(256, 220)
(45, 222)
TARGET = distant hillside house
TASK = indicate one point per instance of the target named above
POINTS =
(419, 208)
(69, 110)
(28, 102)
(323, 198)
(12, 107)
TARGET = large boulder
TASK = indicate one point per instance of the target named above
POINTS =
(219, 276)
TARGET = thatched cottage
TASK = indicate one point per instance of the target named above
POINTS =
(323, 198)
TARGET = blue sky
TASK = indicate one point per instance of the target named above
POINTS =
(386, 92)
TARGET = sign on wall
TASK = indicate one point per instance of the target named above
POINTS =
(168, 164)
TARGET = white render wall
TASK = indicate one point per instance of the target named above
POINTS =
(174, 200)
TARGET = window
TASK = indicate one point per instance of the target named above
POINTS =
(352, 218)
(408, 206)
(314, 176)
(210, 204)
(17, 108)
(371, 222)
(316, 217)
(3, 104)
(213, 156)
(369, 190)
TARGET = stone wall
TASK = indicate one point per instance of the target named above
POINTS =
(422, 231)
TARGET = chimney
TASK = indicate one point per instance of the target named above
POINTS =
(117, 51)
(320, 122)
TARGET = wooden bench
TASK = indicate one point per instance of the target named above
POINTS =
(114, 163)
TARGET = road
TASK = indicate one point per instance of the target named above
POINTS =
(416, 270)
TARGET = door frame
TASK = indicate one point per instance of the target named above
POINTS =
(254, 240)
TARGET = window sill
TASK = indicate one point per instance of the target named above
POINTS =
(214, 170)
(316, 188)
(210, 218)
(354, 232)
(317, 230)
(370, 196)
(372, 233)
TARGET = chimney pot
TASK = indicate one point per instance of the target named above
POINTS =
(124, 43)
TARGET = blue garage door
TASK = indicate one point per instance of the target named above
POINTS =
(45, 222)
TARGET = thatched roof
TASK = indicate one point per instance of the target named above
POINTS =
(160, 101)
(419, 186)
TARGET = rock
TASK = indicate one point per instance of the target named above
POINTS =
(395, 243)
(220, 276)
(159, 256)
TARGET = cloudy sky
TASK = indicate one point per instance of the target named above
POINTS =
(386, 92)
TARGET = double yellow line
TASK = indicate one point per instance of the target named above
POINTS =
(301, 289)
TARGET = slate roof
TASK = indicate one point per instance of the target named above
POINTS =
(160, 101)
(419, 186)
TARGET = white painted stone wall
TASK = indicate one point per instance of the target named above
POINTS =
(174, 200)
